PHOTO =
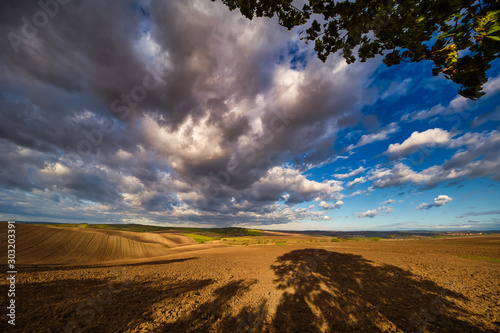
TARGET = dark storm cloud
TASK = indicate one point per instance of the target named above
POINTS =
(79, 48)
(17, 166)
(129, 104)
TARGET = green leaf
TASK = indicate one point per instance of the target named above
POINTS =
(400, 30)
(493, 29)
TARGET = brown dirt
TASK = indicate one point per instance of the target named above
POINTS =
(37, 245)
(385, 286)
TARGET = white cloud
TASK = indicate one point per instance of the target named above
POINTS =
(441, 200)
(458, 104)
(369, 213)
(492, 86)
(384, 210)
(431, 137)
(397, 88)
(359, 180)
(279, 180)
(400, 174)
(350, 174)
(379, 136)
(327, 206)
(480, 158)
(388, 202)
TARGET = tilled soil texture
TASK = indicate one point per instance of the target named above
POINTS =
(429, 285)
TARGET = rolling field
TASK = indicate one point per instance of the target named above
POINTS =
(38, 245)
(93, 280)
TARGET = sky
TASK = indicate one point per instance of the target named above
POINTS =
(183, 113)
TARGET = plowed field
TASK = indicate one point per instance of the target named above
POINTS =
(105, 281)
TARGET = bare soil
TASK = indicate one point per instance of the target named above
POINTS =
(102, 281)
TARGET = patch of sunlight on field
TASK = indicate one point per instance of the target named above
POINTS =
(480, 258)
(200, 238)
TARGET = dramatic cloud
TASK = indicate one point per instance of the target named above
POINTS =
(278, 180)
(184, 112)
(185, 109)
(441, 200)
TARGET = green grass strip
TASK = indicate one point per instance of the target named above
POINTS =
(480, 258)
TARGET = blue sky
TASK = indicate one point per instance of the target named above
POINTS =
(191, 115)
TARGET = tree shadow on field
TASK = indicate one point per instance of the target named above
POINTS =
(65, 267)
(213, 313)
(335, 292)
(100, 300)
(95, 305)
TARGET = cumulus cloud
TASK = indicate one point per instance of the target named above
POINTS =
(298, 188)
(359, 180)
(384, 210)
(441, 200)
(388, 202)
(190, 113)
(369, 213)
(327, 206)
(185, 113)
(476, 157)
(418, 140)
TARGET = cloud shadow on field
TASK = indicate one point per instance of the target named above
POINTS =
(327, 291)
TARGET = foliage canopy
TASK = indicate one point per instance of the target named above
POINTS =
(461, 37)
